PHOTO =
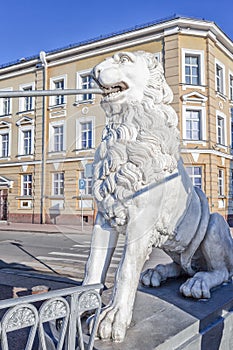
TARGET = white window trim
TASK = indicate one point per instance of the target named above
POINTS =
(5, 129)
(58, 195)
(53, 80)
(230, 74)
(1, 103)
(192, 176)
(22, 128)
(222, 115)
(21, 99)
(220, 64)
(22, 194)
(199, 53)
(78, 98)
(203, 124)
(51, 136)
(79, 132)
(223, 182)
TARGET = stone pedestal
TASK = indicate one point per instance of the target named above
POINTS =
(165, 320)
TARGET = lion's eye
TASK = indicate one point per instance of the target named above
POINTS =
(124, 59)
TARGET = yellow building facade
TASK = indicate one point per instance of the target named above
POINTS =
(47, 144)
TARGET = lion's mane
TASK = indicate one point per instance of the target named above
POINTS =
(140, 145)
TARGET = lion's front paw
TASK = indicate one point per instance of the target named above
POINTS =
(154, 277)
(195, 287)
(113, 323)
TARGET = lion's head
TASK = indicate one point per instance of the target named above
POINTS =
(140, 144)
(132, 76)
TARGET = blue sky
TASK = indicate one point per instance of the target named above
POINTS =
(29, 26)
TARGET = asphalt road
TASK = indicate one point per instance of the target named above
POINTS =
(57, 253)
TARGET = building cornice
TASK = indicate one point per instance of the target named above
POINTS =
(207, 151)
(118, 41)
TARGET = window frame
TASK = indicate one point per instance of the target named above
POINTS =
(23, 101)
(202, 113)
(54, 99)
(221, 182)
(230, 86)
(222, 116)
(25, 124)
(222, 84)
(52, 127)
(28, 188)
(2, 103)
(58, 182)
(80, 75)
(88, 187)
(194, 176)
(79, 124)
(5, 128)
(201, 68)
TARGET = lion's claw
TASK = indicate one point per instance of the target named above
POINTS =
(195, 287)
(112, 324)
(151, 277)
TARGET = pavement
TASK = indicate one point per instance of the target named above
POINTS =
(45, 228)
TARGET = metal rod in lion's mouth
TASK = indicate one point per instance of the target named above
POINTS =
(35, 93)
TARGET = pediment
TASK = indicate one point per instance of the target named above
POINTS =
(24, 120)
(4, 182)
(194, 96)
(4, 124)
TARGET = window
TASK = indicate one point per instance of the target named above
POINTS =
(58, 83)
(193, 67)
(5, 104)
(86, 135)
(220, 77)
(232, 128)
(86, 84)
(195, 175)
(59, 99)
(27, 141)
(26, 136)
(28, 100)
(27, 185)
(58, 184)
(26, 103)
(231, 87)
(221, 190)
(192, 76)
(193, 125)
(85, 81)
(4, 147)
(88, 188)
(57, 138)
(220, 130)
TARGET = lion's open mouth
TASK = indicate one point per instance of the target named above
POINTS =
(114, 91)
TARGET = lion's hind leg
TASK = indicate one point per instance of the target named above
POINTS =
(217, 250)
(154, 277)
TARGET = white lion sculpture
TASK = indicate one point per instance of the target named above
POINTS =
(143, 191)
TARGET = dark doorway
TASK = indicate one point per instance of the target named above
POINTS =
(3, 204)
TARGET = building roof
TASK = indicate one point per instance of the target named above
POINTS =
(191, 22)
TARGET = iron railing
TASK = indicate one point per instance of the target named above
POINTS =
(52, 320)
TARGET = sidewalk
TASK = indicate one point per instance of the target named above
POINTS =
(45, 228)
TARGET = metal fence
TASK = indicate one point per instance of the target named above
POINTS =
(50, 321)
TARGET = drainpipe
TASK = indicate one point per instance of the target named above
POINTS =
(43, 148)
